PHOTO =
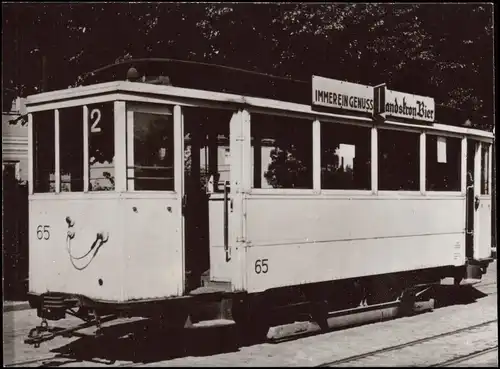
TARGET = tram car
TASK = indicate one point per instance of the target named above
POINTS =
(151, 199)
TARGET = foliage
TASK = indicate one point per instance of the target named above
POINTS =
(439, 50)
(419, 48)
(288, 169)
(291, 157)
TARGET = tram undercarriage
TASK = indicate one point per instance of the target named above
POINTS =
(331, 304)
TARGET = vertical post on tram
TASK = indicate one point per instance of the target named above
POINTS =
(240, 174)
(493, 194)
(226, 221)
(31, 159)
(120, 137)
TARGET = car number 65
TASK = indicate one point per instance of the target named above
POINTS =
(43, 232)
(261, 266)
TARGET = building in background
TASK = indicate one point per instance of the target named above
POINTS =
(15, 202)
(15, 142)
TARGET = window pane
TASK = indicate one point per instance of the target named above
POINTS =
(44, 153)
(10, 172)
(398, 160)
(443, 163)
(153, 152)
(485, 158)
(345, 157)
(101, 147)
(282, 152)
(71, 149)
(206, 149)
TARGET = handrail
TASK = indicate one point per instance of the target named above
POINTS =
(226, 221)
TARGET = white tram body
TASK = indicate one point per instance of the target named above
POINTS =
(125, 245)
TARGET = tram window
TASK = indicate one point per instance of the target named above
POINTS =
(153, 152)
(443, 163)
(282, 152)
(207, 132)
(213, 180)
(345, 157)
(485, 166)
(71, 149)
(44, 154)
(101, 147)
(398, 160)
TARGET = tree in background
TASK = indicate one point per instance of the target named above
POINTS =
(439, 50)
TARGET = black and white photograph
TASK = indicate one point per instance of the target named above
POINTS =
(249, 184)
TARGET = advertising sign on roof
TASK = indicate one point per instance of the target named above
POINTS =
(343, 95)
(408, 106)
(378, 100)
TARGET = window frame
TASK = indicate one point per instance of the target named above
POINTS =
(168, 110)
(315, 161)
(486, 149)
(490, 169)
(421, 156)
(16, 165)
(180, 98)
(463, 164)
(317, 168)
(118, 141)
(31, 152)
(85, 152)
(118, 107)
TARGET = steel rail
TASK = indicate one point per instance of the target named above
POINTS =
(462, 358)
(406, 344)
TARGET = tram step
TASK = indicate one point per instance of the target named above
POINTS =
(465, 282)
(205, 278)
(212, 287)
(470, 282)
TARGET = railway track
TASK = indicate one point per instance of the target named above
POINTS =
(39, 360)
(463, 358)
(354, 358)
(57, 360)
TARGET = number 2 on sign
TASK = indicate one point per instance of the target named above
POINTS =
(97, 114)
(261, 266)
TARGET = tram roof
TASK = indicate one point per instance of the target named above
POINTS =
(161, 94)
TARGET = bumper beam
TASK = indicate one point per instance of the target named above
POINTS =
(44, 333)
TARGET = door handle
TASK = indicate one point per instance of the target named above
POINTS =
(184, 204)
(226, 221)
(476, 202)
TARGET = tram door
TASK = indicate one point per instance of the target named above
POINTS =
(206, 170)
(482, 229)
(470, 211)
(493, 197)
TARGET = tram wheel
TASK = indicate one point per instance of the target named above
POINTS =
(320, 313)
(383, 289)
(252, 320)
